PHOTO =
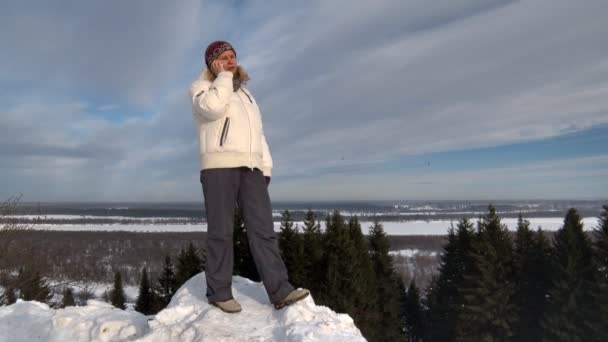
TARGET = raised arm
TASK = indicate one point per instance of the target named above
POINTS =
(209, 99)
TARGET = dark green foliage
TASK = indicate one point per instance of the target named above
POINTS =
(389, 286)
(167, 284)
(532, 280)
(312, 244)
(290, 244)
(32, 286)
(117, 294)
(147, 302)
(489, 312)
(338, 280)
(600, 288)
(567, 317)
(363, 289)
(68, 297)
(244, 264)
(444, 298)
(189, 264)
(414, 315)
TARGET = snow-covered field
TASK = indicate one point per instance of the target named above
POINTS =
(436, 227)
(187, 318)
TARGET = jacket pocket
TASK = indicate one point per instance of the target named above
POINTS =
(225, 130)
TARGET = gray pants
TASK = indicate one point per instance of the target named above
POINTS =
(224, 188)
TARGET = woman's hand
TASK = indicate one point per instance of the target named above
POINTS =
(217, 66)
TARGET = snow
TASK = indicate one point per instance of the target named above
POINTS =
(187, 318)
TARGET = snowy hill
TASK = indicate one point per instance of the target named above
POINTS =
(187, 318)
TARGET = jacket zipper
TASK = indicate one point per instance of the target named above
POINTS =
(249, 122)
(225, 131)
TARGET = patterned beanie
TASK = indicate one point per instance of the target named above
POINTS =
(215, 49)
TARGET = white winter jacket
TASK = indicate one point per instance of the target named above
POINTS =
(229, 125)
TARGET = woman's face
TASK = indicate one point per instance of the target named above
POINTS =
(228, 59)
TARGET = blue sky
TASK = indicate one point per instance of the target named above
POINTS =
(361, 100)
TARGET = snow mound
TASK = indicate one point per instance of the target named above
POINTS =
(187, 318)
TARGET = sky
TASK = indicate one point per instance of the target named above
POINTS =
(361, 100)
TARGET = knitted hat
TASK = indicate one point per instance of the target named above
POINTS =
(215, 49)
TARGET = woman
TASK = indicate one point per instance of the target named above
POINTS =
(235, 170)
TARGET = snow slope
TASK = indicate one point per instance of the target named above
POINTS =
(187, 318)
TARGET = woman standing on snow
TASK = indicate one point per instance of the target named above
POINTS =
(235, 170)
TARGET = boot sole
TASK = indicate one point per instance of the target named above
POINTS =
(226, 311)
(279, 306)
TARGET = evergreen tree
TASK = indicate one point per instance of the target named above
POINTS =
(338, 265)
(290, 245)
(600, 289)
(244, 265)
(146, 302)
(414, 315)
(68, 297)
(364, 288)
(189, 264)
(444, 299)
(167, 284)
(9, 296)
(32, 286)
(532, 280)
(389, 286)
(312, 243)
(117, 294)
(489, 312)
(568, 312)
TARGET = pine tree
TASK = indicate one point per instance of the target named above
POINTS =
(600, 287)
(244, 265)
(117, 294)
(389, 286)
(414, 315)
(68, 297)
(489, 312)
(569, 303)
(444, 299)
(290, 245)
(312, 243)
(532, 280)
(167, 284)
(364, 288)
(146, 302)
(189, 264)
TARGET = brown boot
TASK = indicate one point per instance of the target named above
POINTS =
(292, 297)
(229, 306)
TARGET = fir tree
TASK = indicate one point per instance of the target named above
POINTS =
(389, 286)
(532, 280)
(414, 315)
(312, 243)
(364, 288)
(244, 265)
(68, 297)
(290, 245)
(600, 288)
(117, 294)
(338, 265)
(167, 284)
(146, 302)
(489, 312)
(189, 264)
(444, 299)
(568, 312)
